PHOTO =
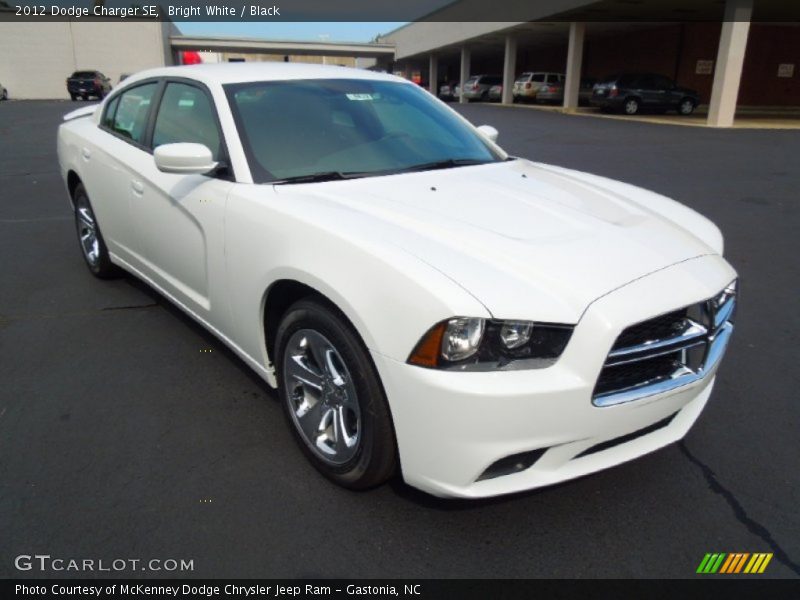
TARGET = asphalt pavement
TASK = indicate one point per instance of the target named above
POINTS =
(121, 438)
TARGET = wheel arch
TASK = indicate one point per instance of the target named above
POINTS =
(73, 180)
(290, 288)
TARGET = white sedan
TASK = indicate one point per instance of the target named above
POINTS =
(422, 301)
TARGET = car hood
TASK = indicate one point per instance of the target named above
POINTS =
(527, 240)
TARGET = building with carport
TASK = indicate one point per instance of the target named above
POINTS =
(735, 53)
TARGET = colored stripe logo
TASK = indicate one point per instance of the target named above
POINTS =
(734, 562)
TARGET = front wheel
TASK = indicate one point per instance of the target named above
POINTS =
(686, 107)
(333, 398)
(91, 240)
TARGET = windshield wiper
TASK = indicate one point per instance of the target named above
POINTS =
(318, 177)
(444, 164)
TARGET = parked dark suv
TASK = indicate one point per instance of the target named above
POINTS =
(82, 84)
(633, 92)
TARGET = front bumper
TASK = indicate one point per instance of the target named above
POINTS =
(451, 426)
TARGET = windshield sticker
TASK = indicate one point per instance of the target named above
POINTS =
(362, 96)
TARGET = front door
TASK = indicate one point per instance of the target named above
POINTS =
(179, 219)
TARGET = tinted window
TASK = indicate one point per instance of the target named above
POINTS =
(84, 74)
(538, 77)
(661, 83)
(296, 128)
(130, 118)
(186, 115)
(111, 109)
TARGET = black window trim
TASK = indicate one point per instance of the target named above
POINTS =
(146, 145)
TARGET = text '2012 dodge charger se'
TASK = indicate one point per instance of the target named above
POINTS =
(421, 300)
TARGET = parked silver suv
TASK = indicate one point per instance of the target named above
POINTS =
(477, 87)
(527, 85)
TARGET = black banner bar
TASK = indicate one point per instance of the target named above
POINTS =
(730, 588)
(179, 11)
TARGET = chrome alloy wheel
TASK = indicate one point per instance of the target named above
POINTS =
(87, 232)
(686, 108)
(321, 395)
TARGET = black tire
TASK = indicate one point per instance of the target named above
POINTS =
(686, 107)
(632, 106)
(74, 97)
(375, 457)
(100, 265)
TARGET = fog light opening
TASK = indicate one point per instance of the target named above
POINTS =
(515, 463)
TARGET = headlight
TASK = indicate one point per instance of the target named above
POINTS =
(474, 344)
(462, 338)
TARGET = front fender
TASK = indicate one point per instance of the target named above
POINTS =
(390, 296)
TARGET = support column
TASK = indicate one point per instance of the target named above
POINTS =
(730, 58)
(572, 84)
(509, 69)
(465, 67)
(433, 74)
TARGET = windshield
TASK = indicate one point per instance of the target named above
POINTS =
(296, 129)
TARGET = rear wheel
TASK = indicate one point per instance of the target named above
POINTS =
(332, 397)
(631, 106)
(74, 97)
(93, 247)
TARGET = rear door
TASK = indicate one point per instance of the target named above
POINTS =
(647, 88)
(110, 154)
(179, 218)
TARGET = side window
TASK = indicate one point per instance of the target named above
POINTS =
(186, 115)
(662, 83)
(130, 117)
(111, 109)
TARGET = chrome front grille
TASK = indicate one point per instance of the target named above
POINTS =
(668, 351)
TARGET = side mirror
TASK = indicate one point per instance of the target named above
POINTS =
(489, 132)
(185, 159)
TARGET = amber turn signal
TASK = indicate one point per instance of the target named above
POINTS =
(427, 352)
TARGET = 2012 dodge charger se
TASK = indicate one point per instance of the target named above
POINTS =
(421, 300)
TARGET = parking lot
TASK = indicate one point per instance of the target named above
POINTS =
(121, 438)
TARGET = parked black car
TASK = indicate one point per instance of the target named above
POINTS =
(632, 93)
(82, 84)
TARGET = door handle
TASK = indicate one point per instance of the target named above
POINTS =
(137, 187)
(87, 154)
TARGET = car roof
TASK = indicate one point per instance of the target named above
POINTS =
(225, 73)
